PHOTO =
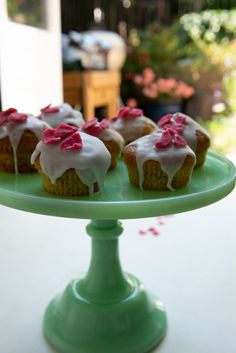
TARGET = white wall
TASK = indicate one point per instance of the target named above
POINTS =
(30, 61)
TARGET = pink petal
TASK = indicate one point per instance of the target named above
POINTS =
(105, 124)
(170, 129)
(8, 111)
(49, 110)
(64, 130)
(123, 112)
(180, 119)
(49, 136)
(90, 124)
(179, 141)
(164, 120)
(178, 127)
(164, 141)
(136, 112)
(17, 117)
(72, 143)
(127, 112)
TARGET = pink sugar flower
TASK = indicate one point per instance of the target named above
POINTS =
(127, 113)
(72, 143)
(94, 127)
(17, 117)
(49, 110)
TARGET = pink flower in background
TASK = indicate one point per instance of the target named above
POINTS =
(138, 79)
(132, 103)
(149, 92)
(161, 88)
(184, 90)
(148, 76)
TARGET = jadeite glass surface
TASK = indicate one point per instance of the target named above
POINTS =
(109, 311)
(121, 200)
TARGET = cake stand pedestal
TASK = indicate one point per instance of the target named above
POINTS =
(109, 311)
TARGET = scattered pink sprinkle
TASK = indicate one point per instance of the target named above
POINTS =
(49, 110)
(161, 223)
(154, 231)
(72, 143)
(142, 232)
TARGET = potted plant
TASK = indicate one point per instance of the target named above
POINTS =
(160, 95)
(153, 72)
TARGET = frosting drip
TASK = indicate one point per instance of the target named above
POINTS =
(170, 158)
(90, 163)
(63, 113)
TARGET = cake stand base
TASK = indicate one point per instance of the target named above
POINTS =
(136, 324)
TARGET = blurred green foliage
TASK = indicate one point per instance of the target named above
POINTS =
(200, 49)
(29, 12)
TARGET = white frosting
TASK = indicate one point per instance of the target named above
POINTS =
(171, 158)
(190, 129)
(66, 115)
(3, 132)
(15, 130)
(131, 128)
(90, 163)
(110, 134)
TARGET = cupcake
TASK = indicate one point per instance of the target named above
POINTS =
(70, 162)
(195, 135)
(19, 134)
(132, 124)
(113, 141)
(59, 114)
(159, 161)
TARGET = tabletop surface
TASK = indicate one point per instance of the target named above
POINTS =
(188, 260)
(120, 199)
(190, 266)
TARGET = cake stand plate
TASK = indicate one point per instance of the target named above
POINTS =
(109, 311)
(121, 200)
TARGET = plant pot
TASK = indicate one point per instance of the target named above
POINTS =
(155, 110)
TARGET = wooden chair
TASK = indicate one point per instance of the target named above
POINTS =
(92, 89)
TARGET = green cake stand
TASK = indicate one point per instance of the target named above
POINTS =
(109, 311)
